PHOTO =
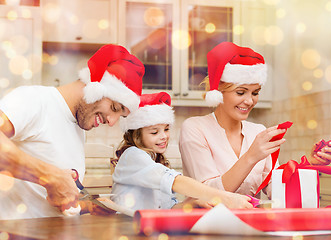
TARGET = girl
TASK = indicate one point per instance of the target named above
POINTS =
(142, 177)
(222, 149)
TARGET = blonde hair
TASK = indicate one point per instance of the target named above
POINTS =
(222, 87)
(134, 138)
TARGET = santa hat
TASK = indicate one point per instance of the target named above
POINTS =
(153, 109)
(230, 63)
(113, 73)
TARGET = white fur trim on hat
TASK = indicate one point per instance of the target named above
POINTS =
(109, 86)
(245, 74)
(148, 115)
(213, 98)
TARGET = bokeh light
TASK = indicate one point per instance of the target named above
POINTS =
(210, 28)
(129, 200)
(18, 64)
(26, 13)
(123, 238)
(318, 73)
(103, 24)
(300, 28)
(328, 6)
(280, 13)
(73, 19)
(298, 237)
(307, 86)
(4, 236)
(4, 83)
(154, 16)
(52, 12)
(12, 15)
(187, 207)
(53, 60)
(163, 236)
(274, 35)
(238, 29)
(21, 208)
(181, 39)
(310, 58)
(27, 74)
(312, 124)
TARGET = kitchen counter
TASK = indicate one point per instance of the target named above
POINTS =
(117, 227)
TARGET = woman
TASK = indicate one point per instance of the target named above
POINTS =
(222, 149)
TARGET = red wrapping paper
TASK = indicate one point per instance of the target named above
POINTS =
(180, 221)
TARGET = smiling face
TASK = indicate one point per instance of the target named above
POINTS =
(104, 111)
(156, 137)
(239, 102)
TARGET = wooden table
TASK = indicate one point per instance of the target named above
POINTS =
(117, 227)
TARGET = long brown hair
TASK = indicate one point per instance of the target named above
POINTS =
(134, 138)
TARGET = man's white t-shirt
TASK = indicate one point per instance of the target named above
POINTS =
(46, 129)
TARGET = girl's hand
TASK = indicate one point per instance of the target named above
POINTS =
(262, 147)
(234, 200)
(189, 203)
(322, 157)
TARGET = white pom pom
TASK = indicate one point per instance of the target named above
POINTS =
(213, 98)
(84, 75)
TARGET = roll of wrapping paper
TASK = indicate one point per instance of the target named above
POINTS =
(288, 219)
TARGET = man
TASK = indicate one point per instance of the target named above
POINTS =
(42, 132)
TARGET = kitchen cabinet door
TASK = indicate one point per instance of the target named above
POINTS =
(147, 31)
(20, 52)
(79, 21)
(207, 23)
(172, 39)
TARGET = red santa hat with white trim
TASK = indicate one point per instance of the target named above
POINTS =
(153, 109)
(114, 73)
(230, 63)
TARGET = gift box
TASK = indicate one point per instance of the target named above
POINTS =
(301, 189)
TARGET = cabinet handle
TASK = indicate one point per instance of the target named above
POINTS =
(176, 94)
(185, 94)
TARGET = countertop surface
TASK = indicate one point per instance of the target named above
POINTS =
(119, 227)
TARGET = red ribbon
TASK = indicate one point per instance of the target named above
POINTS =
(321, 144)
(292, 182)
(274, 156)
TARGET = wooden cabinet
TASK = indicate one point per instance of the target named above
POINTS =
(20, 51)
(86, 21)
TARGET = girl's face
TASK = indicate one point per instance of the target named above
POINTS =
(156, 137)
(239, 102)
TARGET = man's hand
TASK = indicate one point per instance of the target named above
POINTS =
(61, 189)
